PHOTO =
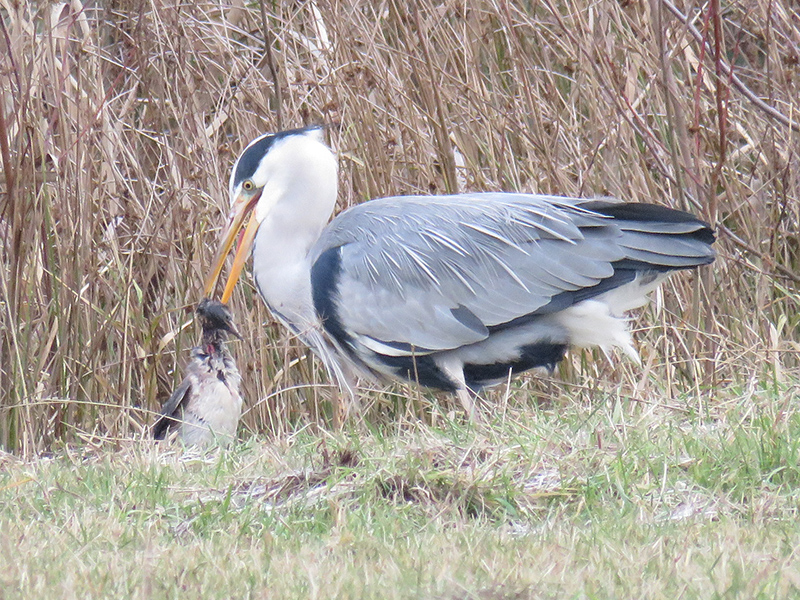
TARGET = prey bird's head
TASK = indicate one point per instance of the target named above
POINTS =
(215, 316)
(269, 171)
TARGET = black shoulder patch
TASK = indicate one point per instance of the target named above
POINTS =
(325, 273)
(251, 157)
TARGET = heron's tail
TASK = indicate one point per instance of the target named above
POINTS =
(658, 238)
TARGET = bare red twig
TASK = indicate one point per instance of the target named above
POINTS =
(722, 108)
(5, 152)
(770, 111)
(273, 71)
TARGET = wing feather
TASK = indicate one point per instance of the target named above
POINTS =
(437, 272)
(166, 417)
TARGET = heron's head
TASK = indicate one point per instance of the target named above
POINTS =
(270, 171)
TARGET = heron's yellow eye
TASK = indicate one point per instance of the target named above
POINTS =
(248, 185)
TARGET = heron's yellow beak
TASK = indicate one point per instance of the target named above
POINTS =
(241, 207)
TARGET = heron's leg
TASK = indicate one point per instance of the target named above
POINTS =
(345, 398)
(465, 396)
(345, 403)
(348, 392)
(454, 369)
(339, 409)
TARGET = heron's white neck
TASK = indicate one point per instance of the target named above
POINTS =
(303, 191)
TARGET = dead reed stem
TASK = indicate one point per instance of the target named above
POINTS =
(119, 123)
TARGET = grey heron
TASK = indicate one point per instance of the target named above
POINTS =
(453, 292)
(206, 406)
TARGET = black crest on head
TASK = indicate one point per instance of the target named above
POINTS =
(251, 157)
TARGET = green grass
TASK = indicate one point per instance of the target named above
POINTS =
(617, 499)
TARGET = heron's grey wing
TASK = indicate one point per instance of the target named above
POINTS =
(167, 415)
(437, 273)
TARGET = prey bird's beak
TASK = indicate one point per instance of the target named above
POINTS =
(233, 331)
(239, 211)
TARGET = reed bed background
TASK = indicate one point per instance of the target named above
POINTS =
(120, 120)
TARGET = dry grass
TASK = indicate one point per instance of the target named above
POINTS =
(120, 123)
